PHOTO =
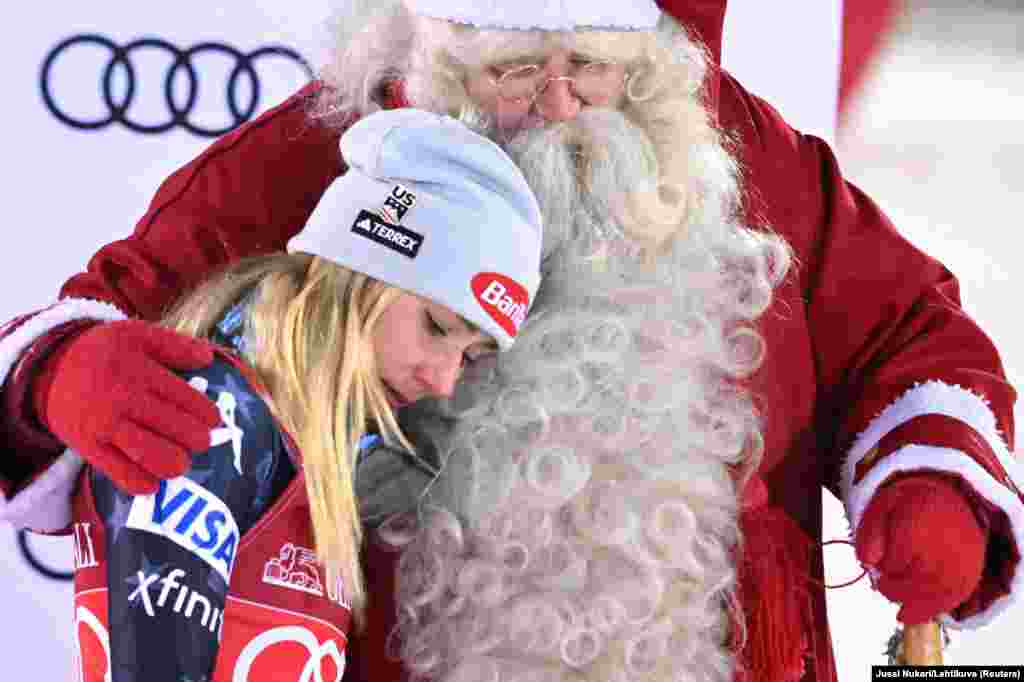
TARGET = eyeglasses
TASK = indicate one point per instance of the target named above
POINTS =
(590, 81)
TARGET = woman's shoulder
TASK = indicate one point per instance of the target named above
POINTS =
(248, 430)
(234, 387)
(245, 467)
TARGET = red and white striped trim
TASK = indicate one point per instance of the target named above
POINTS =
(931, 398)
(918, 457)
(955, 402)
(45, 504)
(67, 310)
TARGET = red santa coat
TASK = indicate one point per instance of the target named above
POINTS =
(872, 366)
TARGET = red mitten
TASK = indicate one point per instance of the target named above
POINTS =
(922, 535)
(109, 393)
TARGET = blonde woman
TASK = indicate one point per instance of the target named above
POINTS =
(247, 567)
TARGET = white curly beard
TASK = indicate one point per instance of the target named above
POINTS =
(584, 525)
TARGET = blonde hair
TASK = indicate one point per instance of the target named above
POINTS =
(307, 335)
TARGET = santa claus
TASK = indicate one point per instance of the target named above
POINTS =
(725, 326)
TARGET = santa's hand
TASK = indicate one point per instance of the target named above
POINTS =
(921, 534)
(110, 394)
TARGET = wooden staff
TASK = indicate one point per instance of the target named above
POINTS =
(922, 644)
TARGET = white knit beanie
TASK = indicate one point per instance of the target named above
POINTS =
(431, 207)
(547, 15)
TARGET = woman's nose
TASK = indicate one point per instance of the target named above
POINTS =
(440, 374)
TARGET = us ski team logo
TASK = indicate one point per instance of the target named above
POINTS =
(397, 204)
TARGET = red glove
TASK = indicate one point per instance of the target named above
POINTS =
(109, 393)
(921, 534)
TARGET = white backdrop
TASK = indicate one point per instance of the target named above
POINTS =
(68, 191)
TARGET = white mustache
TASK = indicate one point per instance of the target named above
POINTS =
(581, 170)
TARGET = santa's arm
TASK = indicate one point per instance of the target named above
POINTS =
(247, 194)
(908, 383)
(923, 392)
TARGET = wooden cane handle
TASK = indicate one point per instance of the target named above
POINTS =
(922, 644)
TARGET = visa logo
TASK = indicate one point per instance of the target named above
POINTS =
(192, 517)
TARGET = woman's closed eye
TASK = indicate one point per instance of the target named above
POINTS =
(439, 330)
(471, 357)
(475, 349)
(434, 327)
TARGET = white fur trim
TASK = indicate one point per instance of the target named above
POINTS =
(546, 15)
(45, 505)
(917, 457)
(45, 491)
(938, 398)
(12, 346)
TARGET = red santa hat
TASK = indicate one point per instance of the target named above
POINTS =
(547, 15)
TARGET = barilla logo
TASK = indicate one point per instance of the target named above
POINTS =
(503, 298)
(192, 517)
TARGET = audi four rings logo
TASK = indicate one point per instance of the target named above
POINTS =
(181, 106)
